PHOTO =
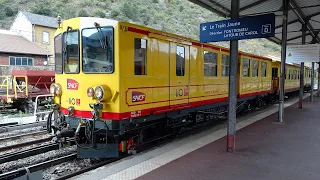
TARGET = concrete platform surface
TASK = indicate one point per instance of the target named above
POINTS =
(265, 150)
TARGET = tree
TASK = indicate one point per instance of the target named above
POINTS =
(83, 13)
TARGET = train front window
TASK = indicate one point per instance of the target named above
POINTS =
(58, 54)
(97, 50)
(70, 52)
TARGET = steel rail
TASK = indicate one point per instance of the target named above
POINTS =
(28, 143)
(30, 152)
(37, 167)
(22, 126)
(23, 135)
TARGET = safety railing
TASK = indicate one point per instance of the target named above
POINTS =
(5, 85)
(36, 104)
(20, 87)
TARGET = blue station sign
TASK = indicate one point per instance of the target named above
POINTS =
(249, 27)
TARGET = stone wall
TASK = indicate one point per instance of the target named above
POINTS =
(6, 70)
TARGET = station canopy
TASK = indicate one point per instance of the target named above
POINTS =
(300, 12)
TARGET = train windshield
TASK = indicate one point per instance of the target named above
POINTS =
(58, 54)
(97, 50)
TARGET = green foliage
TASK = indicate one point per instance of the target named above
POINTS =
(99, 13)
(83, 13)
(42, 8)
(175, 16)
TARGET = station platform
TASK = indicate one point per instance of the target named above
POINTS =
(265, 149)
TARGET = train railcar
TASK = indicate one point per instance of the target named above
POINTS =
(307, 78)
(25, 88)
(120, 85)
(292, 78)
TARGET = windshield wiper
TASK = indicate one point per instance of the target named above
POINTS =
(65, 54)
(102, 38)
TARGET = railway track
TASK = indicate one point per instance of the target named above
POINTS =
(32, 134)
(24, 144)
(10, 128)
(35, 169)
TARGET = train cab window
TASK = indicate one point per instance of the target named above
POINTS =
(210, 63)
(180, 61)
(274, 72)
(225, 65)
(58, 54)
(255, 68)
(140, 56)
(245, 67)
(97, 50)
(70, 53)
(263, 69)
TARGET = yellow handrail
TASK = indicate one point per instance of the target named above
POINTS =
(6, 85)
(15, 85)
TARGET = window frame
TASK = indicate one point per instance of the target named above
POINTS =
(217, 61)
(254, 60)
(266, 70)
(21, 57)
(228, 60)
(249, 68)
(43, 37)
(55, 47)
(184, 60)
(146, 57)
(80, 49)
(63, 36)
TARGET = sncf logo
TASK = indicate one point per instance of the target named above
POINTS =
(138, 96)
(72, 84)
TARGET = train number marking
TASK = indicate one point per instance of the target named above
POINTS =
(135, 114)
(182, 92)
(72, 101)
(72, 84)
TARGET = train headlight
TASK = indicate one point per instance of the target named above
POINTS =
(52, 88)
(57, 89)
(99, 93)
(102, 93)
(90, 92)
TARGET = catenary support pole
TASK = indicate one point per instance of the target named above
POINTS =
(233, 66)
(302, 69)
(283, 58)
(318, 89)
(312, 82)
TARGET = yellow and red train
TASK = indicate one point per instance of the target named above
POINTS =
(120, 85)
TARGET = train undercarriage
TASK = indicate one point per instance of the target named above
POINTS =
(97, 138)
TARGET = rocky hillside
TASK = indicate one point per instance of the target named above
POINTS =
(176, 16)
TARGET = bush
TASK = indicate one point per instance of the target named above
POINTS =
(83, 13)
(99, 13)
(114, 13)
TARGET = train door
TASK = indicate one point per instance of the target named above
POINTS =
(179, 75)
(275, 79)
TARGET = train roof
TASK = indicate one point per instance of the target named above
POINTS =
(87, 22)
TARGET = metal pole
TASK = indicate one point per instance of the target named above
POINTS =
(318, 90)
(312, 82)
(283, 57)
(233, 67)
(302, 69)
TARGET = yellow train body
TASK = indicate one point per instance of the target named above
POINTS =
(158, 83)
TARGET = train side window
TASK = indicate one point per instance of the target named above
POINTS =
(274, 72)
(140, 56)
(180, 61)
(245, 67)
(225, 65)
(255, 68)
(210, 63)
(298, 74)
(263, 69)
